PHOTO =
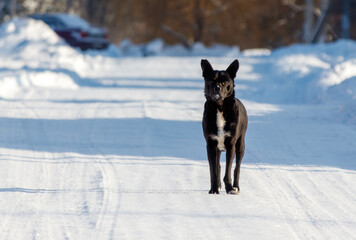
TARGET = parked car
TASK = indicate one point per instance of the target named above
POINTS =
(75, 31)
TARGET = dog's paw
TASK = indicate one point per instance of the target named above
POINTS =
(214, 191)
(233, 191)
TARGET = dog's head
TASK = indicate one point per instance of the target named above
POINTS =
(219, 85)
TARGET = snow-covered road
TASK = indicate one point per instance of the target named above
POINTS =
(115, 169)
(112, 148)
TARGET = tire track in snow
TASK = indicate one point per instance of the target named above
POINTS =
(105, 224)
(301, 198)
(326, 195)
(69, 223)
(305, 209)
(281, 199)
(309, 209)
(39, 225)
(292, 196)
(276, 191)
(299, 192)
(51, 230)
(277, 195)
(4, 232)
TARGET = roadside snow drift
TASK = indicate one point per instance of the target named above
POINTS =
(109, 145)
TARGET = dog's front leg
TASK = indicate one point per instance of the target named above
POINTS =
(214, 166)
(230, 154)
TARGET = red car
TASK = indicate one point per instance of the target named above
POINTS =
(75, 31)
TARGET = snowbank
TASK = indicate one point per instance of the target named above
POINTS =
(305, 74)
(32, 55)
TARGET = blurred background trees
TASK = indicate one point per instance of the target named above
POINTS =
(246, 23)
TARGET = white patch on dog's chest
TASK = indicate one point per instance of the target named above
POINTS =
(221, 134)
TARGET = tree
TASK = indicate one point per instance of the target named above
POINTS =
(248, 24)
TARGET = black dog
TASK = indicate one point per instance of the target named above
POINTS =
(224, 125)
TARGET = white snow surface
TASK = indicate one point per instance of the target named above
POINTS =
(105, 145)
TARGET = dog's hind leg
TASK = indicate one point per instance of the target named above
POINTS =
(240, 151)
(230, 154)
(218, 154)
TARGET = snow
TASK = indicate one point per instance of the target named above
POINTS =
(109, 145)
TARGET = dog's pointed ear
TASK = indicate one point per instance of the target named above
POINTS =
(206, 68)
(232, 69)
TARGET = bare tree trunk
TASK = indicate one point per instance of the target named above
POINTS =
(90, 9)
(180, 37)
(13, 8)
(346, 19)
(308, 20)
(323, 10)
(198, 21)
(321, 25)
(69, 5)
(103, 12)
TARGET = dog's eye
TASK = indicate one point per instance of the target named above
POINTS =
(228, 87)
